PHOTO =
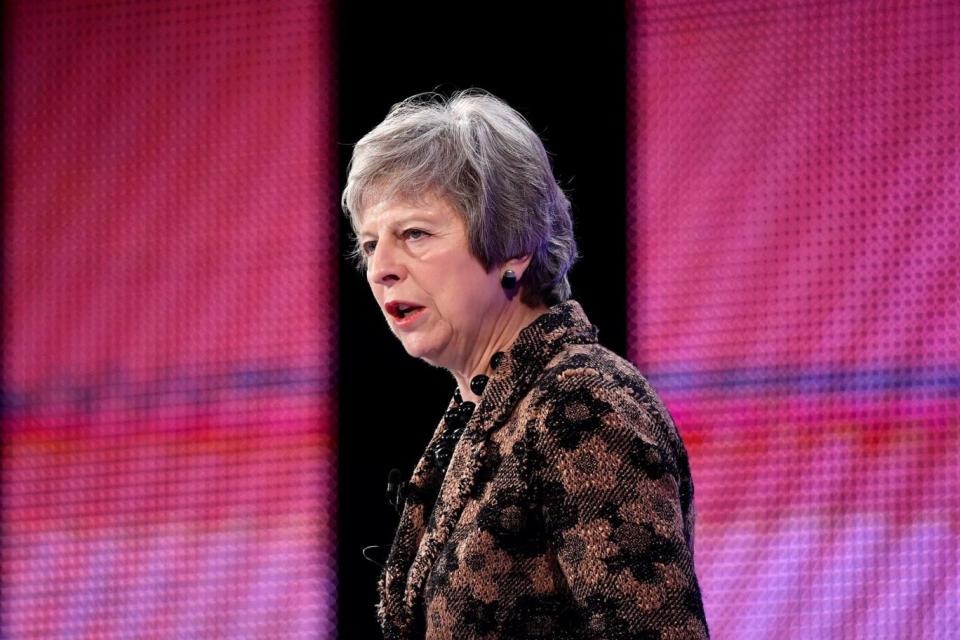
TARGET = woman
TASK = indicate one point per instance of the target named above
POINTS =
(554, 498)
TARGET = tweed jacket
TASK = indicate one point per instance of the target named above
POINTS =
(566, 511)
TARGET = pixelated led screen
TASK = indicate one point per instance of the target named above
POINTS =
(168, 462)
(794, 225)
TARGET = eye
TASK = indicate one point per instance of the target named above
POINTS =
(367, 248)
(409, 232)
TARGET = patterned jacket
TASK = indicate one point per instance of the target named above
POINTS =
(566, 511)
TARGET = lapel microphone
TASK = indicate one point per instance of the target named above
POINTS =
(396, 492)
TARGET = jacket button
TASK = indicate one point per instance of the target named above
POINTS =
(478, 383)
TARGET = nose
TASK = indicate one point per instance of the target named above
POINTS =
(385, 265)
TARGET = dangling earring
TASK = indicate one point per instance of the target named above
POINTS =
(509, 279)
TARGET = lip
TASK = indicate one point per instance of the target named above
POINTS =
(411, 318)
(393, 306)
(392, 310)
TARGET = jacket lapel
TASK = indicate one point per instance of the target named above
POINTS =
(395, 617)
(418, 541)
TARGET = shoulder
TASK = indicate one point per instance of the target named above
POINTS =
(589, 391)
(594, 370)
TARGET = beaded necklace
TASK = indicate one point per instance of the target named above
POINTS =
(456, 417)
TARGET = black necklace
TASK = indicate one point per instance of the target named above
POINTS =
(456, 417)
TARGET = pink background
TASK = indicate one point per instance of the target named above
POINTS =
(794, 228)
(168, 355)
(169, 342)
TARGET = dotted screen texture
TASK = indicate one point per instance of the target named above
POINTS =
(794, 247)
(168, 466)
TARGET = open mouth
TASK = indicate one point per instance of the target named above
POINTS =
(408, 311)
(401, 310)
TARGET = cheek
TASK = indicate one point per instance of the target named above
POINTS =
(456, 284)
(466, 297)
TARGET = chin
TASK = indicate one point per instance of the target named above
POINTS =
(416, 351)
(429, 361)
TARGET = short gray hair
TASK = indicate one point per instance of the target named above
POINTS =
(483, 157)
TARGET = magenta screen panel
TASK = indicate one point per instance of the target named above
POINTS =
(794, 244)
(168, 469)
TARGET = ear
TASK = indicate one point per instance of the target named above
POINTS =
(518, 265)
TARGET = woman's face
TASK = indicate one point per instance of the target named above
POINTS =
(418, 254)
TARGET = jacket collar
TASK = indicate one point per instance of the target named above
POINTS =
(418, 541)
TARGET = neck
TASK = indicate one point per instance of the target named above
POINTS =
(507, 327)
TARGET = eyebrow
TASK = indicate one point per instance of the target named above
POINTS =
(398, 223)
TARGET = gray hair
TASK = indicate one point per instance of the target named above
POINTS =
(483, 157)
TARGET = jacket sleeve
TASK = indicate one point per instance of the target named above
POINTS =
(608, 491)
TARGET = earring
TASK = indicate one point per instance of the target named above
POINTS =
(509, 279)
